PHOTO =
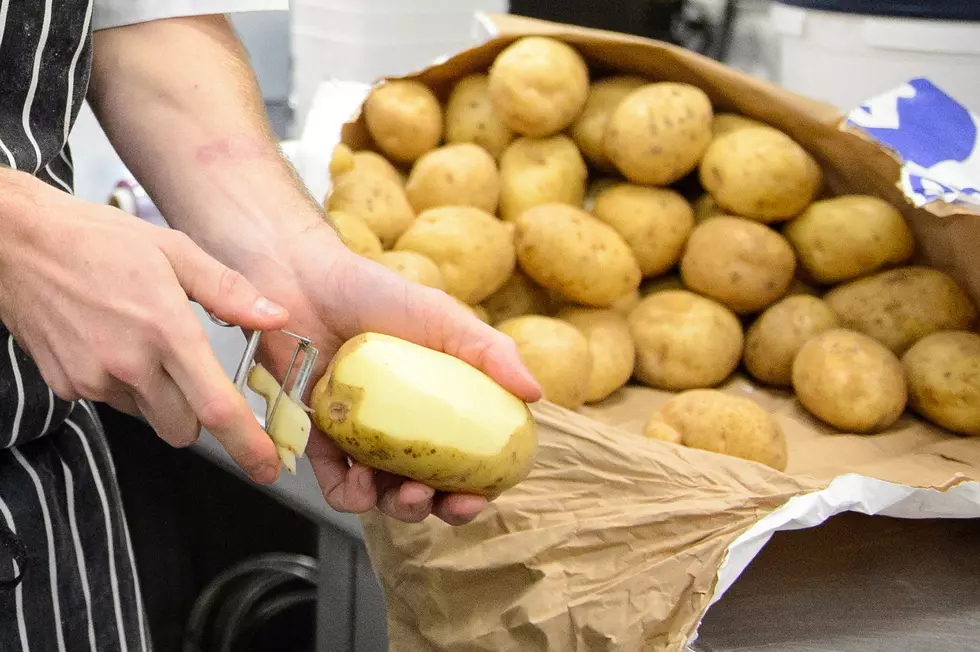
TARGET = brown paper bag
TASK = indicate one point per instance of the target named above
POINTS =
(615, 542)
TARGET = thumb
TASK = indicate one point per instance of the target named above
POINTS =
(222, 291)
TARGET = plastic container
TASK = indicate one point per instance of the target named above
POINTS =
(845, 58)
(934, 9)
(368, 40)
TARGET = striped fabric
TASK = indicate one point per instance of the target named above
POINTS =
(67, 575)
(78, 588)
(68, 581)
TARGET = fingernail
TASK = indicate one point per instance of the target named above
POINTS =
(265, 308)
(366, 480)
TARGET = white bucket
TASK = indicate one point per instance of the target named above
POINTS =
(844, 59)
(365, 41)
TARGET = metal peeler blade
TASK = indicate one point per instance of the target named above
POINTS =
(304, 346)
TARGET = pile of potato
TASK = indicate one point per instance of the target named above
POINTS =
(620, 230)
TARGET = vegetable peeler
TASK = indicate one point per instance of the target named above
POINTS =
(304, 346)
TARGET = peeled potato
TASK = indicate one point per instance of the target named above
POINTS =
(518, 296)
(743, 264)
(454, 175)
(377, 201)
(471, 118)
(684, 341)
(850, 381)
(356, 234)
(415, 267)
(712, 420)
(566, 250)
(943, 374)
(659, 132)
(655, 222)
(611, 346)
(556, 353)
(536, 171)
(473, 249)
(538, 85)
(289, 426)
(774, 339)
(589, 128)
(425, 415)
(842, 238)
(760, 173)
(404, 118)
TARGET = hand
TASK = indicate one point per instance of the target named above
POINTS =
(98, 299)
(332, 295)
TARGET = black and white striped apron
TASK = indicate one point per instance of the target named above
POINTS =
(68, 580)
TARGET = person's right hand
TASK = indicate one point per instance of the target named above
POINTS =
(99, 300)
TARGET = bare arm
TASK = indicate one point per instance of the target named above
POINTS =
(180, 104)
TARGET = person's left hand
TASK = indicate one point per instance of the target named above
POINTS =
(332, 295)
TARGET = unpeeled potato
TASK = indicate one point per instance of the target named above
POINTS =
(850, 381)
(341, 160)
(684, 341)
(369, 161)
(760, 173)
(556, 353)
(471, 118)
(415, 267)
(566, 250)
(659, 132)
(356, 234)
(655, 222)
(404, 119)
(376, 200)
(943, 374)
(743, 264)
(519, 295)
(473, 249)
(774, 339)
(731, 425)
(538, 85)
(611, 346)
(842, 238)
(463, 174)
(900, 306)
(589, 128)
(536, 171)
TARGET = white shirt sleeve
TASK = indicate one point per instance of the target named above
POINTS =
(115, 13)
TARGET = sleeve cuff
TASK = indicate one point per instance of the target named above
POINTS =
(118, 13)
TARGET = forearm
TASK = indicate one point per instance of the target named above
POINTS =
(180, 104)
